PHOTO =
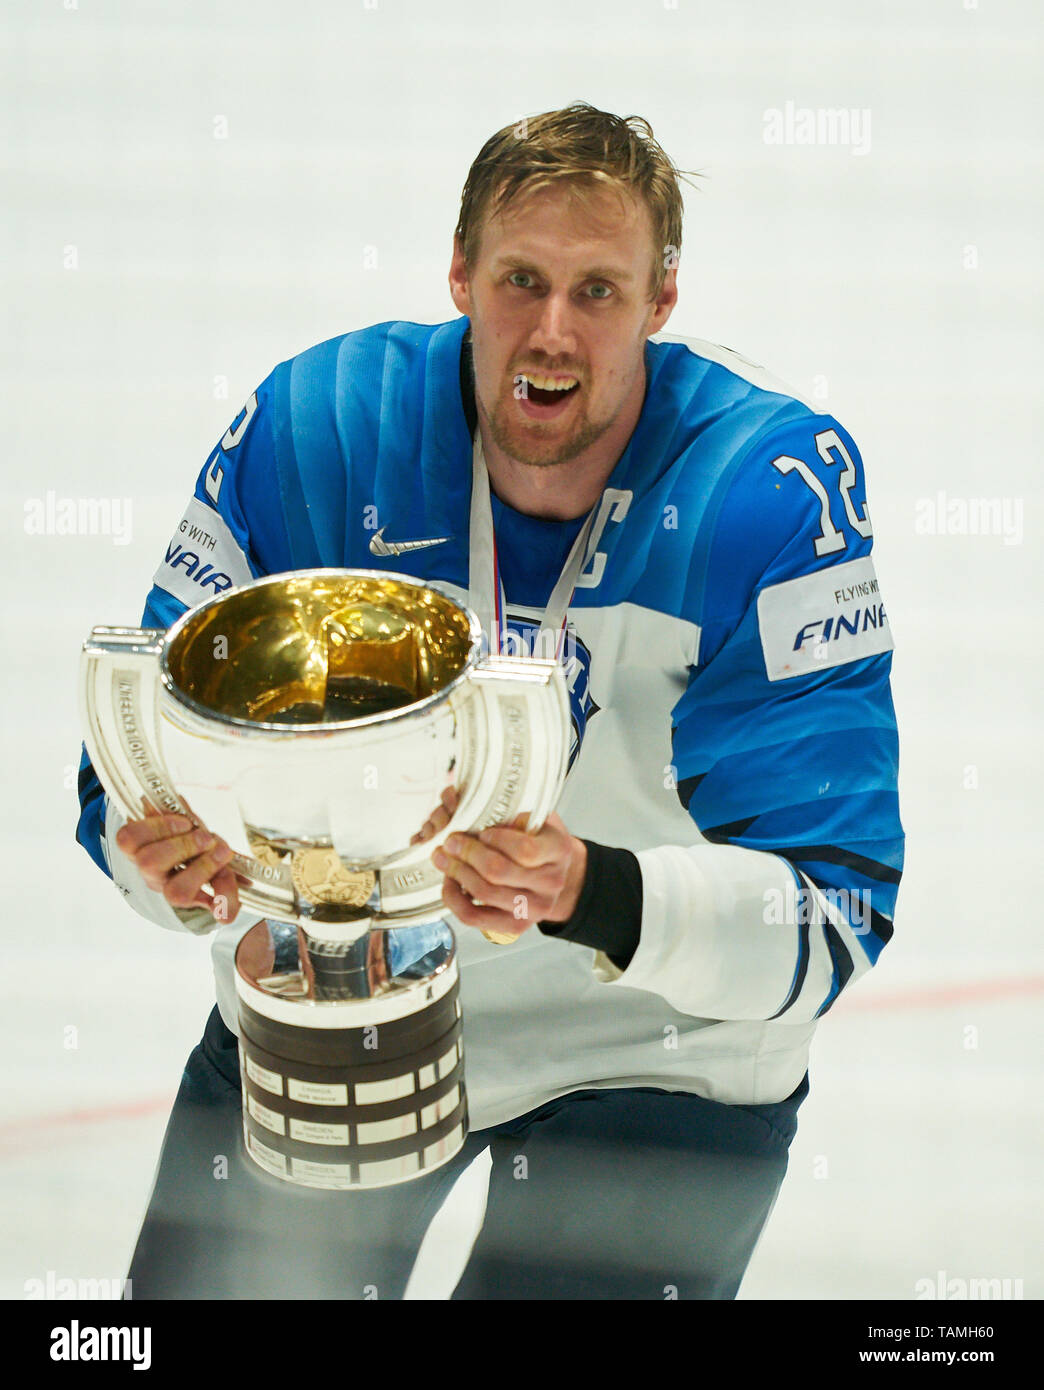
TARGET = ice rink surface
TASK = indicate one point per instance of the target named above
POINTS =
(195, 192)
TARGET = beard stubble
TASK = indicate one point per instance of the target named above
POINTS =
(525, 445)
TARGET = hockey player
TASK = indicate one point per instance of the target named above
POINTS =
(726, 853)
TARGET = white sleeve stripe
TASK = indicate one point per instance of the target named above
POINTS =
(719, 933)
(733, 933)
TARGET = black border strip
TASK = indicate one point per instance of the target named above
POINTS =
(830, 854)
(340, 1047)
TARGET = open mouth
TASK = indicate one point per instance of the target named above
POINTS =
(542, 395)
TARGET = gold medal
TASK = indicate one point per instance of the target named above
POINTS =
(265, 853)
(320, 877)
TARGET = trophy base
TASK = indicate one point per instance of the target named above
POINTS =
(350, 1092)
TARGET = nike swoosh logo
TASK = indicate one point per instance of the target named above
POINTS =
(379, 546)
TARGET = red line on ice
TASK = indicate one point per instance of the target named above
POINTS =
(128, 1110)
(942, 995)
(977, 991)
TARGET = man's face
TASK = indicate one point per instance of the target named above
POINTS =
(559, 309)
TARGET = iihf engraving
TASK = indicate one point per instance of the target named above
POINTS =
(127, 702)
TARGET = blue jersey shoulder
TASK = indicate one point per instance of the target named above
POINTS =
(707, 509)
(370, 435)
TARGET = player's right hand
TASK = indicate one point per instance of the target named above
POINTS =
(179, 860)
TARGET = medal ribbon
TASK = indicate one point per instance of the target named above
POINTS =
(486, 588)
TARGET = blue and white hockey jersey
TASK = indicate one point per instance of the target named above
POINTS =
(729, 681)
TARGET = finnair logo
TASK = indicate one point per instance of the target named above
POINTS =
(196, 569)
(824, 630)
(203, 557)
(827, 618)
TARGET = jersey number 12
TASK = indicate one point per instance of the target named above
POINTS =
(830, 539)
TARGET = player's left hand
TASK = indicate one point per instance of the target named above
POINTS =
(504, 879)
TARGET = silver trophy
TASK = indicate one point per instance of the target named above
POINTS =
(316, 721)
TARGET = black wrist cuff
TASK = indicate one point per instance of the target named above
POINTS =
(608, 915)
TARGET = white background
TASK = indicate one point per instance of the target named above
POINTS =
(901, 284)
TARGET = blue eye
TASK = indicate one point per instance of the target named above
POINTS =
(516, 275)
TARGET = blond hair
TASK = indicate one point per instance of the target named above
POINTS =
(589, 151)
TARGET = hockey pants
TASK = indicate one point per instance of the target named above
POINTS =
(634, 1193)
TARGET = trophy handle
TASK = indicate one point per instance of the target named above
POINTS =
(119, 682)
(519, 755)
(119, 686)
